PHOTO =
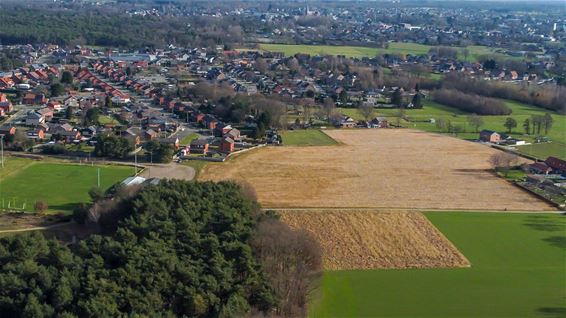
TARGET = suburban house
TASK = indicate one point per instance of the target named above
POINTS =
(199, 146)
(70, 136)
(34, 99)
(5, 104)
(55, 106)
(490, 136)
(173, 141)
(210, 122)
(36, 133)
(61, 128)
(234, 134)
(379, 122)
(347, 122)
(150, 134)
(133, 135)
(7, 130)
(227, 145)
(34, 118)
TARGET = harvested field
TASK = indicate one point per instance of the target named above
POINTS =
(378, 168)
(370, 239)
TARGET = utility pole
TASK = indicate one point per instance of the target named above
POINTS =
(2, 142)
(98, 173)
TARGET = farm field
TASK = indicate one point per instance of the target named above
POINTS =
(370, 239)
(61, 185)
(311, 137)
(458, 117)
(475, 52)
(544, 150)
(377, 168)
(517, 271)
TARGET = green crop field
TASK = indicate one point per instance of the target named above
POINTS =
(517, 271)
(432, 110)
(62, 186)
(310, 137)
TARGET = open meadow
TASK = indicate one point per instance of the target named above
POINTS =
(474, 52)
(310, 137)
(377, 168)
(61, 185)
(520, 112)
(517, 270)
(370, 239)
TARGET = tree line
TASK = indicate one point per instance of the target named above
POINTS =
(471, 103)
(174, 249)
(547, 96)
(22, 25)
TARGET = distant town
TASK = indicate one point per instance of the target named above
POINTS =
(258, 146)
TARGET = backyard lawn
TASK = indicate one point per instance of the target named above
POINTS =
(188, 139)
(309, 137)
(61, 185)
(517, 271)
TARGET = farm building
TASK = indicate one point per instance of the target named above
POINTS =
(539, 168)
(558, 166)
(490, 136)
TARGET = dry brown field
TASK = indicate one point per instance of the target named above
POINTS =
(371, 239)
(378, 168)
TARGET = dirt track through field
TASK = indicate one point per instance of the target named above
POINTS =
(369, 240)
(378, 168)
(169, 171)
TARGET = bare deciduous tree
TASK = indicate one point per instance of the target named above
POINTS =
(366, 110)
(291, 259)
(503, 161)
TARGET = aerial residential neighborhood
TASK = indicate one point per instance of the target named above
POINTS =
(180, 158)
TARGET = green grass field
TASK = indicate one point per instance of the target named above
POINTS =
(520, 112)
(105, 119)
(474, 52)
(518, 264)
(188, 139)
(62, 186)
(310, 137)
(544, 150)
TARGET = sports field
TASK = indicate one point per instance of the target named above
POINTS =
(377, 168)
(311, 137)
(517, 271)
(61, 185)
(432, 110)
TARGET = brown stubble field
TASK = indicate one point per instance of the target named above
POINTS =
(364, 239)
(378, 168)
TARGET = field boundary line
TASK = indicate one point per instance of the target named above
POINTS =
(385, 209)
